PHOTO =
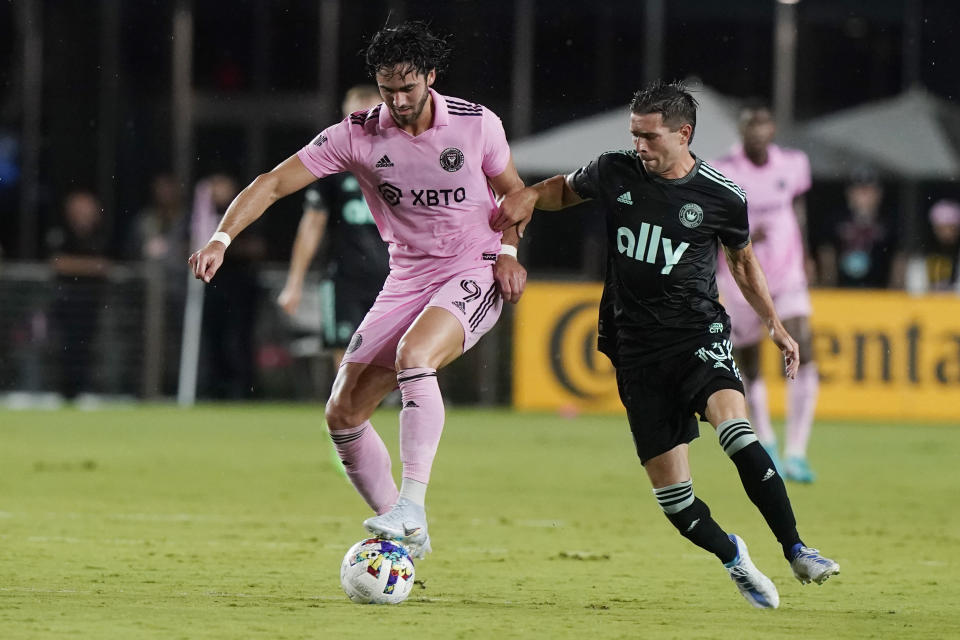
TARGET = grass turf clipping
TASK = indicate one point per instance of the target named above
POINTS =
(227, 522)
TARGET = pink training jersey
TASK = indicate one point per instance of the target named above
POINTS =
(428, 194)
(770, 190)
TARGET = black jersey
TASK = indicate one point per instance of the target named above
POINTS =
(357, 252)
(662, 238)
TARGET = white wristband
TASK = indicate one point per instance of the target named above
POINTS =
(509, 250)
(220, 236)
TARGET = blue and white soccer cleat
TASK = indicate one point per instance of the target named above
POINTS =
(797, 470)
(757, 588)
(406, 522)
(809, 566)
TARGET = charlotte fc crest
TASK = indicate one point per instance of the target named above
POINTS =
(691, 215)
(451, 159)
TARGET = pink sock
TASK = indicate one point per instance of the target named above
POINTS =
(801, 404)
(367, 463)
(421, 421)
(759, 412)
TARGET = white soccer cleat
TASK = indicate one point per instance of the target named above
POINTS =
(406, 522)
(757, 588)
(809, 566)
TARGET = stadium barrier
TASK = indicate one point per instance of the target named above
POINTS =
(881, 354)
(119, 338)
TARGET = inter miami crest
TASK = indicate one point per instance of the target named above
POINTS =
(355, 343)
(451, 159)
(691, 215)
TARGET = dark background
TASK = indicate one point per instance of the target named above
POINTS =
(588, 57)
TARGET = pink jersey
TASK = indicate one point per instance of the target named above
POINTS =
(428, 194)
(771, 190)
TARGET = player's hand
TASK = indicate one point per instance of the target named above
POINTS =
(511, 277)
(515, 209)
(289, 298)
(207, 261)
(788, 347)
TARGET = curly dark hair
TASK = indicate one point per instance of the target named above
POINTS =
(672, 100)
(409, 46)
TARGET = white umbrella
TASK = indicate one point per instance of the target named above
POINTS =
(569, 146)
(911, 135)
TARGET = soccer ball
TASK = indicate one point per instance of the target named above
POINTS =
(377, 571)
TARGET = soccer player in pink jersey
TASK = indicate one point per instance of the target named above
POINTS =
(431, 168)
(775, 180)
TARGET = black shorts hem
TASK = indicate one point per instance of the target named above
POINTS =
(699, 402)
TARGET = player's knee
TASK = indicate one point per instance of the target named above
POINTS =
(342, 414)
(411, 354)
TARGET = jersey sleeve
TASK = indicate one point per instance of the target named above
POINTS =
(734, 231)
(330, 152)
(585, 181)
(496, 151)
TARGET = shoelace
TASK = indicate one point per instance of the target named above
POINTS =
(741, 576)
(808, 553)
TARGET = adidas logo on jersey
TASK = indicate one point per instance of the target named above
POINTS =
(383, 162)
(625, 198)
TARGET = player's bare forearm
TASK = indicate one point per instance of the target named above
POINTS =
(287, 177)
(511, 236)
(753, 284)
(309, 234)
(551, 194)
(310, 231)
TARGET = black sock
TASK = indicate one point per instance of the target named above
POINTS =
(691, 517)
(766, 490)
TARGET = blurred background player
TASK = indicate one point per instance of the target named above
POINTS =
(860, 250)
(159, 237)
(78, 256)
(942, 255)
(430, 167)
(357, 258)
(775, 180)
(230, 304)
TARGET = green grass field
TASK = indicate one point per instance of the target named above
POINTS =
(230, 522)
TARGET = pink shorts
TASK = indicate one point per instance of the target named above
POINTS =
(745, 324)
(471, 296)
(788, 288)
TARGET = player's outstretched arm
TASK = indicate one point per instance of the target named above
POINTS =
(749, 277)
(509, 274)
(289, 176)
(550, 195)
(313, 223)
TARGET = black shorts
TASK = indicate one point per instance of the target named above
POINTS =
(343, 305)
(662, 398)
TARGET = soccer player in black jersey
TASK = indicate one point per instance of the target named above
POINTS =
(666, 333)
